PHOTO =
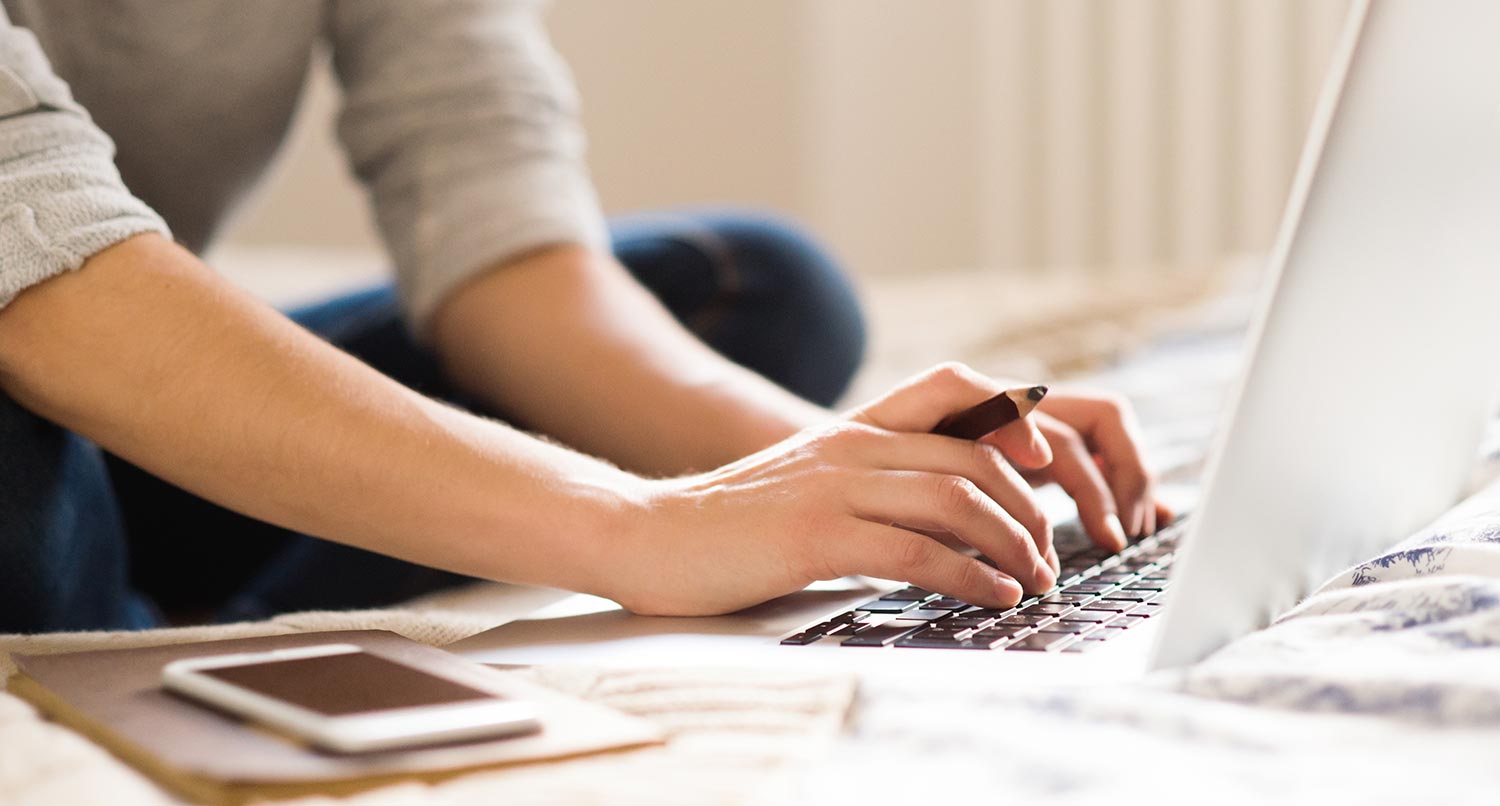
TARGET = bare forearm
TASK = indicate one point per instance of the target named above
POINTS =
(566, 342)
(149, 354)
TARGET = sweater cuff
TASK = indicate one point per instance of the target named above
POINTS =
(61, 199)
(480, 224)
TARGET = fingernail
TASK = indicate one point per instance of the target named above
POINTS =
(1036, 441)
(1116, 531)
(1008, 590)
(1040, 447)
(1046, 578)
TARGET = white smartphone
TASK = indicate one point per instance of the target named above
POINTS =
(340, 698)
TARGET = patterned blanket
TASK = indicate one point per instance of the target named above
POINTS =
(1381, 687)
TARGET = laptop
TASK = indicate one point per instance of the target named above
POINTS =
(1372, 367)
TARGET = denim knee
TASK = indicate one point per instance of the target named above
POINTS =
(800, 313)
(63, 563)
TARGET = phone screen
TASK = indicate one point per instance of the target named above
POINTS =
(351, 683)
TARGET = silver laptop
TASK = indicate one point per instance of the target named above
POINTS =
(1372, 368)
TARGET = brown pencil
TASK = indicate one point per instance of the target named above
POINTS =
(997, 412)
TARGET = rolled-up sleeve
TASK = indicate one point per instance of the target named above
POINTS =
(61, 197)
(462, 122)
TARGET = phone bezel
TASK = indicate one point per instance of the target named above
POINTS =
(398, 728)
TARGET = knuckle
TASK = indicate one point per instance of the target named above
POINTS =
(915, 552)
(957, 495)
(971, 577)
(951, 374)
(851, 436)
(984, 455)
(1137, 482)
(1066, 439)
(1117, 406)
(1132, 479)
(814, 520)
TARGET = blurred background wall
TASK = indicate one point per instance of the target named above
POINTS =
(1098, 135)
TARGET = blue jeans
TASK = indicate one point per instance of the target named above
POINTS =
(88, 541)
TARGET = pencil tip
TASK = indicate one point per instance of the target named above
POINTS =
(1037, 392)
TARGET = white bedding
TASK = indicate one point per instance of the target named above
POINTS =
(1382, 687)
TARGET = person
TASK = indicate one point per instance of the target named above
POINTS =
(172, 445)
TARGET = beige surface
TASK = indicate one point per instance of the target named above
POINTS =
(731, 734)
(115, 697)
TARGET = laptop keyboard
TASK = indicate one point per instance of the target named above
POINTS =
(1099, 595)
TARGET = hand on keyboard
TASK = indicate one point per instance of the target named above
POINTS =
(1100, 594)
(856, 495)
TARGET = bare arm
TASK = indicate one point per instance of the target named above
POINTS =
(148, 353)
(569, 344)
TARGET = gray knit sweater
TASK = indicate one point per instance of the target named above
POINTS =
(123, 116)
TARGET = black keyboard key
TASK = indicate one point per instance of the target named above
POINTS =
(919, 642)
(1088, 587)
(997, 629)
(884, 634)
(1091, 615)
(967, 622)
(994, 637)
(1041, 642)
(1139, 597)
(886, 606)
(1068, 598)
(936, 630)
(946, 603)
(851, 616)
(985, 612)
(1044, 609)
(1079, 628)
(801, 639)
(827, 628)
(909, 595)
(1024, 621)
(1113, 577)
(926, 614)
(934, 636)
(1148, 609)
(1115, 605)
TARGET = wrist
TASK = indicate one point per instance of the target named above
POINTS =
(634, 554)
(615, 519)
